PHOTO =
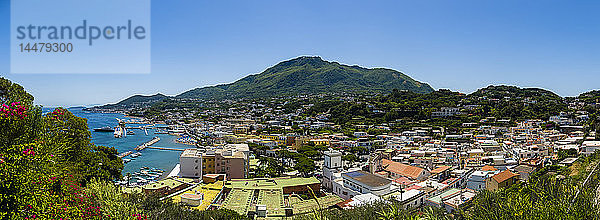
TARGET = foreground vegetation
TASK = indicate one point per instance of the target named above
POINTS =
(49, 169)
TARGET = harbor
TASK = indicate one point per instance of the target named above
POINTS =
(142, 177)
(163, 154)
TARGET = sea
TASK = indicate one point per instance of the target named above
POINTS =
(151, 158)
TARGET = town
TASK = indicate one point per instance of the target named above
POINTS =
(282, 157)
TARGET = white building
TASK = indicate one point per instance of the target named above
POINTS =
(190, 163)
(477, 179)
(332, 166)
(588, 147)
(361, 182)
(446, 112)
(411, 199)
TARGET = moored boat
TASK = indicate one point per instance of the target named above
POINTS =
(104, 129)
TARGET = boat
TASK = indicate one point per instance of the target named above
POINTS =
(141, 180)
(126, 160)
(104, 129)
(161, 132)
(118, 132)
(130, 132)
(134, 155)
(121, 155)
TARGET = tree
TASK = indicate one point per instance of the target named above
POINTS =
(43, 160)
(305, 166)
(69, 138)
(350, 157)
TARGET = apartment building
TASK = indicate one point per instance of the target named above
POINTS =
(230, 159)
(191, 163)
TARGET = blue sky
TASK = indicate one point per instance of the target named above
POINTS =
(460, 45)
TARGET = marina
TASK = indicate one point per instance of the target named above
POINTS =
(144, 176)
(163, 159)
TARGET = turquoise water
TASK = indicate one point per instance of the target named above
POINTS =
(152, 158)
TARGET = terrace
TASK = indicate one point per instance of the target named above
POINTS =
(276, 183)
(239, 200)
(273, 199)
(210, 192)
(300, 206)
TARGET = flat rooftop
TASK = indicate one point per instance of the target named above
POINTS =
(191, 152)
(210, 192)
(300, 206)
(271, 183)
(367, 178)
(238, 200)
(170, 182)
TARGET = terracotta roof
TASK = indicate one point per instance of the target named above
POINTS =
(344, 204)
(403, 181)
(488, 168)
(440, 169)
(402, 169)
(503, 176)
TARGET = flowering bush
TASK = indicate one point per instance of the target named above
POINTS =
(14, 110)
(34, 187)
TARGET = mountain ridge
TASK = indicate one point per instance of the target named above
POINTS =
(310, 75)
(137, 100)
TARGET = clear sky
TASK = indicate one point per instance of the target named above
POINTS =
(460, 45)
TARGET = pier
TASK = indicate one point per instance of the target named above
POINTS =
(147, 144)
(165, 148)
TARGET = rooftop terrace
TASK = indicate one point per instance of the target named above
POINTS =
(238, 200)
(273, 199)
(300, 206)
(276, 183)
(210, 192)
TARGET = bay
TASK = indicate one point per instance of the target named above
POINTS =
(152, 158)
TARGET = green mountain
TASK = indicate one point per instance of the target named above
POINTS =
(137, 101)
(311, 75)
(518, 103)
(590, 97)
(512, 92)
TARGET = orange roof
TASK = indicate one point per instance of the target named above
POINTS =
(440, 169)
(503, 176)
(402, 169)
(403, 181)
(488, 168)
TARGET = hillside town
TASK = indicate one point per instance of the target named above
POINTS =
(270, 160)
